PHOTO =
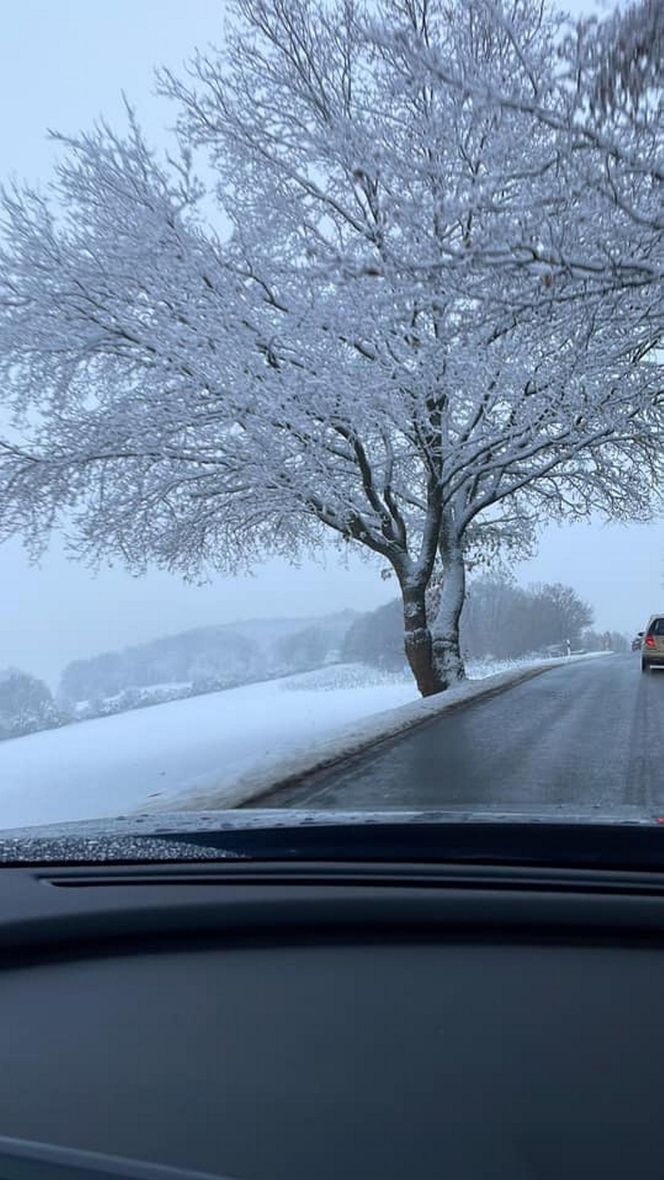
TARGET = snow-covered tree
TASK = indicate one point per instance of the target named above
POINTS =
(26, 704)
(353, 357)
(559, 613)
(593, 229)
(624, 57)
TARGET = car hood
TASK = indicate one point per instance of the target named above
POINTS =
(290, 834)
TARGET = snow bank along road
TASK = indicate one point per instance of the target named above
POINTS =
(589, 734)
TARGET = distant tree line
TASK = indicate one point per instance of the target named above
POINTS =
(606, 641)
(506, 621)
(205, 659)
(500, 620)
(206, 656)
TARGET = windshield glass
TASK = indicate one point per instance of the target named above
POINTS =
(331, 423)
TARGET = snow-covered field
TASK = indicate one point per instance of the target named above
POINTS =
(118, 764)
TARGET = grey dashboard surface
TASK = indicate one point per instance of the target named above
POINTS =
(273, 1024)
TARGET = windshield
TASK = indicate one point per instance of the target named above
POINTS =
(331, 423)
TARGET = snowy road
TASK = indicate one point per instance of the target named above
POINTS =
(591, 734)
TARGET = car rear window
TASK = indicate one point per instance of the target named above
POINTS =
(656, 627)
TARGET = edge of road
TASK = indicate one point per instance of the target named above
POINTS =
(354, 739)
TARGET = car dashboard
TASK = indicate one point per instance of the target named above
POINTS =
(280, 1020)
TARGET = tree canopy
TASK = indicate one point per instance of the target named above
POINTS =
(429, 325)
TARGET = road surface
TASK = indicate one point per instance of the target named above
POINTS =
(589, 735)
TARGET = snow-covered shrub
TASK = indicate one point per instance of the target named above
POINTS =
(26, 705)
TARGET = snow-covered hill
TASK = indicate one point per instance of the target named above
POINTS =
(203, 659)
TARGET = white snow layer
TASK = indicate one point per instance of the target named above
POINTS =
(212, 751)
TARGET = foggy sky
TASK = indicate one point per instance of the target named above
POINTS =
(63, 63)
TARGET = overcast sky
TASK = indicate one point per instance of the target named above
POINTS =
(62, 63)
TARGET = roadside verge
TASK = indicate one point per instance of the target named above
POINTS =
(254, 787)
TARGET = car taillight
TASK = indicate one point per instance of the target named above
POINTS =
(650, 641)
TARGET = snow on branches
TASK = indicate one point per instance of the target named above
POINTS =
(394, 332)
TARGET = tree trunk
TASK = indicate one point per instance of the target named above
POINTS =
(417, 641)
(445, 640)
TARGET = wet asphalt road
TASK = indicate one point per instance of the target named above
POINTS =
(590, 735)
